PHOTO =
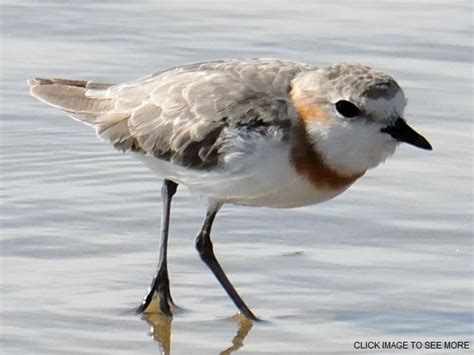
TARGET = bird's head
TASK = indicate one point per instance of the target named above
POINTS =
(353, 115)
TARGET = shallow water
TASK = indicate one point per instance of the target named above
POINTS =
(392, 258)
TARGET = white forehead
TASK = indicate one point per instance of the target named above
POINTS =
(385, 108)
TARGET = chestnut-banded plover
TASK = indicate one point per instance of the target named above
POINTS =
(252, 132)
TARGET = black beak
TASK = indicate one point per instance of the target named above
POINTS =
(404, 133)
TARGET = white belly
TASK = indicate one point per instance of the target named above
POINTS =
(264, 179)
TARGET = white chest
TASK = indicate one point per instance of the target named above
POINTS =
(265, 178)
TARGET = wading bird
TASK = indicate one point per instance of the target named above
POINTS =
(248, 132)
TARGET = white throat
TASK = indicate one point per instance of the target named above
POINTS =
(351, 147)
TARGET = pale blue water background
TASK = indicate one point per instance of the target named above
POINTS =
(392, 258)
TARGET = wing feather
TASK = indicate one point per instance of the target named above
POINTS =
(188, 115)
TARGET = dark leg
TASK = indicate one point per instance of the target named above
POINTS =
(161, 283)
(204, 247)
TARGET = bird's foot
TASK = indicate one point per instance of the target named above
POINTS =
(157, 300)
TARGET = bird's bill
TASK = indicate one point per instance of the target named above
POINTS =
(402, 132)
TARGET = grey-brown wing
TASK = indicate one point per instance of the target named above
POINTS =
(189, 114)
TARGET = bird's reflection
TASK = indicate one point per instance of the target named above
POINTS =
(238, 341)
(161, 332)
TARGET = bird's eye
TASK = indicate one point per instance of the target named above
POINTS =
(347, 109)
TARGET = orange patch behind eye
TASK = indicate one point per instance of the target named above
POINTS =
(308, 111)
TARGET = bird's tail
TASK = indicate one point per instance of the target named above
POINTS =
(89, 103)
(83, 100)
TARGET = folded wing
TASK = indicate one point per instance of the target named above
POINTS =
(187, 115)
